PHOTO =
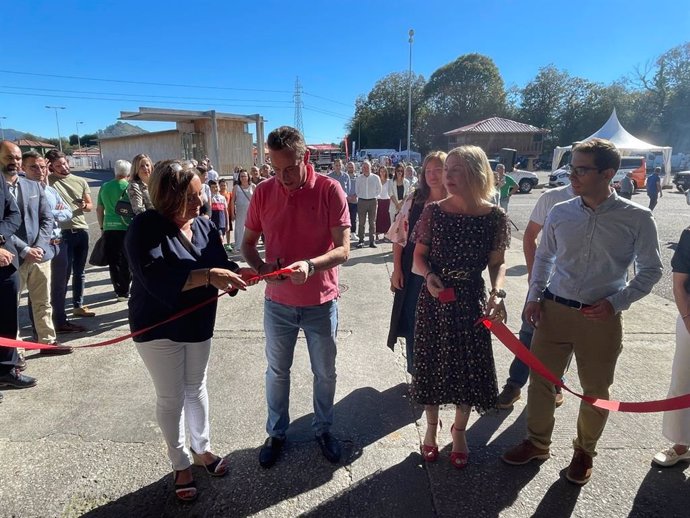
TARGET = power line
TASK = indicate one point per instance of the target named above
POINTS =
(349, 105)
(80, 97)
(144, 95)
(326, 112)
(35, 74)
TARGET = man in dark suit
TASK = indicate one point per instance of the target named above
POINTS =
(10, 221)
(32, 241)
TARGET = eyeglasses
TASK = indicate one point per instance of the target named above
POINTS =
(582, 171)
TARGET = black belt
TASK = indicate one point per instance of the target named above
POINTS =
(74, 230)
(366, 199)
(566, 302)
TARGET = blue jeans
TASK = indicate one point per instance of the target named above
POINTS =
(77, 242)
(518, 374)
(281, 325)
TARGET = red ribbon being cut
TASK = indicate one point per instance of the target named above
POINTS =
(8, 342)
(507, 338)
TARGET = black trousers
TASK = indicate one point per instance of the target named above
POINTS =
(9, 289)
(353, 216)
(120, 275)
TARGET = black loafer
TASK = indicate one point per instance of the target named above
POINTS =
(15, 379)
(57, 350)
(330, 447)
(270, 451)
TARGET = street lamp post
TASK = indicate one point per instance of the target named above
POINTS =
(57, 121)
(2, 131)
(409, 98)
(81, 157)
(78, 139)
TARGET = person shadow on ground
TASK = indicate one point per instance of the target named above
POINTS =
(362, 418)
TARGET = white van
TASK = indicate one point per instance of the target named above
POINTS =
(372, 154)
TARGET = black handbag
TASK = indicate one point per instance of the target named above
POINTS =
(98, 256)
(123, 207)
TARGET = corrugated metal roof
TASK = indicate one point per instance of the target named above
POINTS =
(496, 125)
(32, 143)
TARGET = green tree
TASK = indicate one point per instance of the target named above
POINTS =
(380, 119)
(461, 92)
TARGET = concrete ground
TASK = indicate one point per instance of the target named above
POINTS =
(84, 442)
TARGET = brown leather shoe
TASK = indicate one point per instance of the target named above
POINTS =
(59, 349)
(69, 327)
(524, 453)
(580, 469)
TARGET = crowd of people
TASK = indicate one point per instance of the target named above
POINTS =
(164, 228)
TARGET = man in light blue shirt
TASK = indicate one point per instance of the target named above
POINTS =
(340, 176)
(577, 292)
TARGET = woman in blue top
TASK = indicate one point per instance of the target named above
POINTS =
(178, 261)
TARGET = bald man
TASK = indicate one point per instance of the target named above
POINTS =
(10, 222)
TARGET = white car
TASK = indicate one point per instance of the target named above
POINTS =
(526, 180)
(560, 177)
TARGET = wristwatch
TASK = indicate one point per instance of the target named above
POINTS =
(311, 266)
(501, 294)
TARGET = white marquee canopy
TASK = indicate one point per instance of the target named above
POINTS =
(626, 143)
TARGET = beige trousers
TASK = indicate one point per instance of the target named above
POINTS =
(563, 332)
(35, 277)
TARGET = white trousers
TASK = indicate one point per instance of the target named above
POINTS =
(178, 371)
(676, 426)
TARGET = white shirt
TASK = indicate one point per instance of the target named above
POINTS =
(547, 200)
(368, 187)
(383, 195)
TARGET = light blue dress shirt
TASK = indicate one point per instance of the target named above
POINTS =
(584, 254)
(59, 215)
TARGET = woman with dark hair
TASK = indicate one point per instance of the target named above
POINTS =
(137, 190)
(456, 239)
(241, 196)
(398, 190)
(383, 219)
(404, 284)
(178, 261)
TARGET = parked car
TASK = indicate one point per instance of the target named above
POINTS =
(682, 180)
(526, 180)
(636, 165)
(560, 177)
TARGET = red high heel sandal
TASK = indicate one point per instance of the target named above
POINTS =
(430, 453)
(458, 459)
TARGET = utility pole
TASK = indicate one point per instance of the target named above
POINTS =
(2, 131)
(299, 124)
(57, 121)
(409, 98)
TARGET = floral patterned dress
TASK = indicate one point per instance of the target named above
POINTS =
(453, 358)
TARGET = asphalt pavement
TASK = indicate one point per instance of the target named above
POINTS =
(84, 442)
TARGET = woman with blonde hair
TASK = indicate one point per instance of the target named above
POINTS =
(137, 190)
(456, 239)
(405, 284)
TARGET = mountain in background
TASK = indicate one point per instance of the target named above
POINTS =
(120, 129)
(11, 134)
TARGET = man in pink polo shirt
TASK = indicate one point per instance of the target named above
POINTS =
(306, 226)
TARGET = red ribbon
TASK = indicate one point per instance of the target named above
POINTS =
(8, 342)
(507, 338)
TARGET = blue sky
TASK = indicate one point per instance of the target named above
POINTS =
(250, 53)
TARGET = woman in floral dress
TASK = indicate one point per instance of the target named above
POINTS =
(456, 240)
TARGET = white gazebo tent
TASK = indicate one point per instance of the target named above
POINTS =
(624, 141)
